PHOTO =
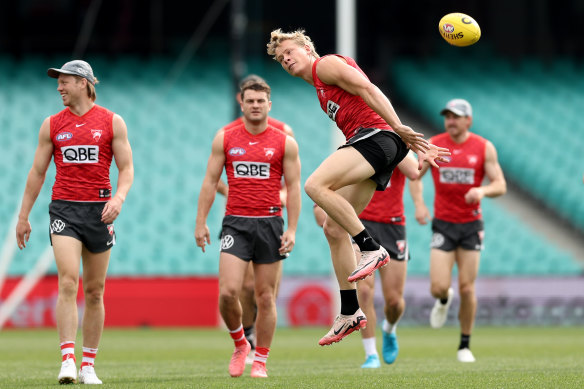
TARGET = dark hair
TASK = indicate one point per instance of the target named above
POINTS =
(250, 77)
(260, 86)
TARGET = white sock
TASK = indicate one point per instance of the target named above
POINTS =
(389, 328)
(370, 346)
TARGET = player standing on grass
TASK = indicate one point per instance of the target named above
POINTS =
(82, 139)
(345, 182)
(458, 225)
(247, 299)
(255, 156)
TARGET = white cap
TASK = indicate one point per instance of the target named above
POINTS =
(459, 107)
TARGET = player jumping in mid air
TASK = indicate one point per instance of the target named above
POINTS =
(344, 183)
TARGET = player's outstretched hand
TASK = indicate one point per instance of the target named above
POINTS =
(414, 140)
(202, 236)
(432, 155)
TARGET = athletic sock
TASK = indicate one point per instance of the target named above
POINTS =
(388, 327)
(68, 350)
(261, 354)
(238, 336)
(365, 241)
(464, 341)
(250, 336)
(89, 355)
(370, 346)
(349, 302)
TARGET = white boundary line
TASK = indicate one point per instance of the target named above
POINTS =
(26, 284)
(8, 248)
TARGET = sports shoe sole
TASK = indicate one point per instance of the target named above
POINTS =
(67, 380)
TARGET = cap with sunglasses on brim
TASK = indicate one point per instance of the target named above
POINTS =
(75, 68)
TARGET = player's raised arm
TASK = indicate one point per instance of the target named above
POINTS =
(334, 70)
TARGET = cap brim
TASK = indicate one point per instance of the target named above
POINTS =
(454, 111)
(54, 72)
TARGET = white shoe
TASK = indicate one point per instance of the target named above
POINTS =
(68, 373)
(439, 312)
(465, 355)
(87, 376)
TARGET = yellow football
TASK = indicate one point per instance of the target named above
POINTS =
(459, 29)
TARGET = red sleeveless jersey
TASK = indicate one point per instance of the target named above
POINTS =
(348, 111)
(465, 170)
(82, 151)
(388, 206)
(271, 122)
(254, 167)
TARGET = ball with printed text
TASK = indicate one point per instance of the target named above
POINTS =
(459, 29)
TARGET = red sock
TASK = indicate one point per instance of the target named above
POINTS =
(89, 355)
(261, 355)
(238, 337)
(68, 350)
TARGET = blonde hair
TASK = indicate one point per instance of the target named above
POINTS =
(298, 36)
(91, 93)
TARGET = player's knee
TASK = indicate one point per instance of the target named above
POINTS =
(247, 289)
(467, 290)
(439, 290)
(312, 188)
(94, 294)
(265, 298)
(365, 292)
(393, 302)
(228, 296)
(68, 287)
(333, 231)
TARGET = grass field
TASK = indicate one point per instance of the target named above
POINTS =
(198, 358)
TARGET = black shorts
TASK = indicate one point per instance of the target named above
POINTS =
(390, 236)
(82, 221)
(383, 149)
(254, 239)
(448, 236)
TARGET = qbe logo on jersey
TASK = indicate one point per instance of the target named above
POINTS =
(456, 175)
(80, 154)
(244, 169)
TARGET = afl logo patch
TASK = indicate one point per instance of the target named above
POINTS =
(236, 151)
(63, 136)
(448, 28)
(227, 242)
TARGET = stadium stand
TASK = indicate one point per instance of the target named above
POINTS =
(171, 127)
(532, 120)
